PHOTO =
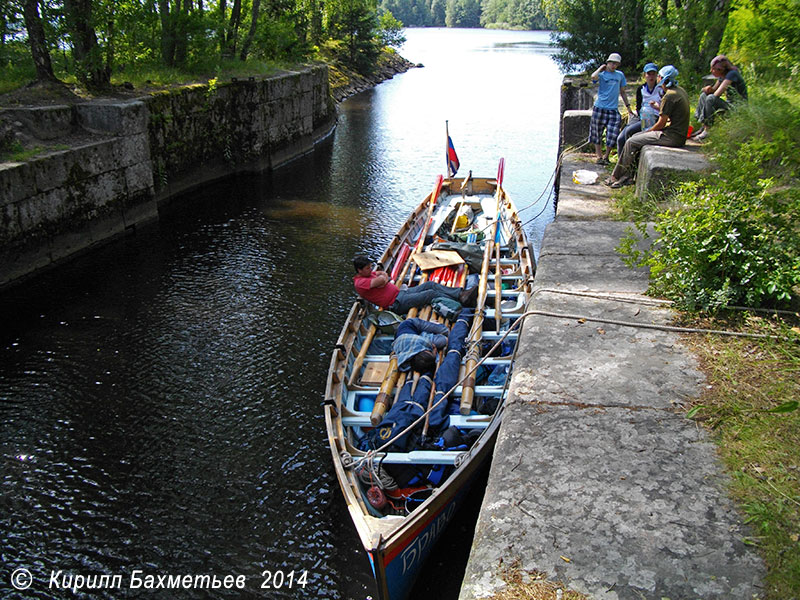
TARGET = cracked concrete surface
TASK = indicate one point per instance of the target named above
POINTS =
(598, 479)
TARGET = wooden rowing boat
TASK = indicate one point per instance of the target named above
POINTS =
(397, 527)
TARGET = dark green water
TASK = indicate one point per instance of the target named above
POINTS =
(160, 397)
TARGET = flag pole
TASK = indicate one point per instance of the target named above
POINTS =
(447, 149)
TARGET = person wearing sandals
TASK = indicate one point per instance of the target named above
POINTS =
(729, 80)
(605, 113)
(648, 103)
(670, 129)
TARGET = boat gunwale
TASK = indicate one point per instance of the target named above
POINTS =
(398, 531)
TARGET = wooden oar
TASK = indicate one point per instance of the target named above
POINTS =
(384, 398)
(498, 281)
(476, 332)
(498, 273)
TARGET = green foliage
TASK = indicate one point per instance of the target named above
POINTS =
(590, 30)
(172, 39)
(390, 31)
(766, 36)
(686, 34)
(736, 237)
(463, 13)
(751, 407)
(514, 14)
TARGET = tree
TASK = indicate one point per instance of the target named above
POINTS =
(463, 13)
(252, 32)
(391, 31)
(438, 13)
(37, 42)
(688, 32)
(92, 71)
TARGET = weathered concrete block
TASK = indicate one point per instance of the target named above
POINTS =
(9, 216)
(16, 182)
(41, 210)
(45, 122)
(575, 127)
(129, 150)
(661, 167)
(51, 171)
(155, 148)
(113, 118)
(597, 480)
(139, 178)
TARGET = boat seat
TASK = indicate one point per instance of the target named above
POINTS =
(421, 457)
(460, 421)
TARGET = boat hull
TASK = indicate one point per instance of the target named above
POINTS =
(397, 565)
(399, 541)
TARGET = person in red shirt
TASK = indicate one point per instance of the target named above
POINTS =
(376, 287)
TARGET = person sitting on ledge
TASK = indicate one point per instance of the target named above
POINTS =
(670, 129)
(648, 103)
(375, 287)
(710, 103)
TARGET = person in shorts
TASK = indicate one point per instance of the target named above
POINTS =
(605, 114)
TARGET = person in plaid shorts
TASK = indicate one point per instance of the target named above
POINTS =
(605, 114)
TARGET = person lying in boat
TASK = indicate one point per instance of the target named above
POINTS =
(412, 401)
(416, 342)
(375, 286)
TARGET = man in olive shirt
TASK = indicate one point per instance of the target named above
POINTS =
(670, 129)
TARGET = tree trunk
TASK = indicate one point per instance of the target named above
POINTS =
(88, 54)
(167, 33)
(232, 31)
(181, 37)
(37, 41)
(252, 33)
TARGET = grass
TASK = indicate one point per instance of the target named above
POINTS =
(751, 410)
(751, 404)
(532, 585)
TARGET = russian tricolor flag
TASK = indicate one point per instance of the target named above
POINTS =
(452, 158)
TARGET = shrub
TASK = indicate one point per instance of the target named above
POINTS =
(736, 237)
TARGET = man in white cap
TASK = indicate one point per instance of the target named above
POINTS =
(605, 114)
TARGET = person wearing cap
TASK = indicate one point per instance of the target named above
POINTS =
(648, 103)
(670, 129)
(729, 80)
(605, 114)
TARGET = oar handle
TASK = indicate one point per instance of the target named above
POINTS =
(354, 373)
(383, 400)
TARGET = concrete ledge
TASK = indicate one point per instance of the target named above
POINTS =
(582, 202)
(44, 122)
(576, 127)
(125, 158)
(597, 480)
(661, 167)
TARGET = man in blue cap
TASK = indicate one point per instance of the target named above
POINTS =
(648, 103)
(670, 129)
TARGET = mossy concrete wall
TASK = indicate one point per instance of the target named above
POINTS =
(125, 159)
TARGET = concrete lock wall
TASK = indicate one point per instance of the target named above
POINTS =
(138, 154)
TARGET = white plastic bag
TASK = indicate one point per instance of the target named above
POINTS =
(584, 177)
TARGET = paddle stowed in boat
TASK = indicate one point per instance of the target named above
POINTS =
(498, 273)
(401, 490)
(476, 333)
(384, 399)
